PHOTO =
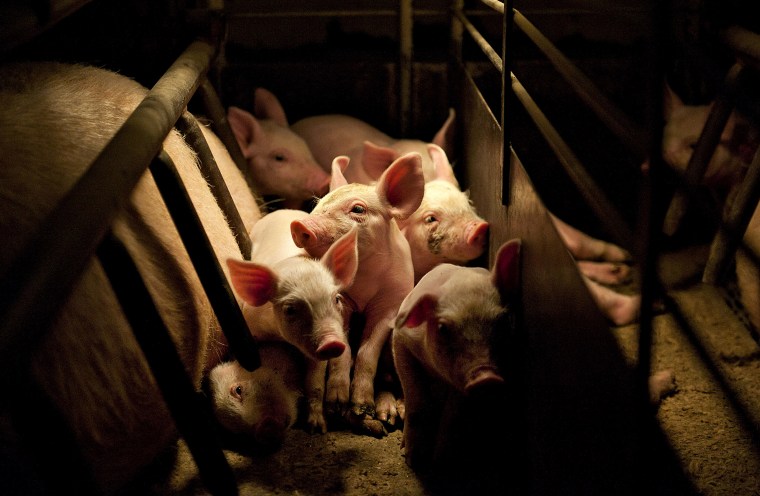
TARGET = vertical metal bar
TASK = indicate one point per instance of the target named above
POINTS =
(218, 290)
(406, 22)
(188, 126)
(507, 97)
(191, 413)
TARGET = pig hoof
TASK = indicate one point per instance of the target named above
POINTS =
(368, 426)
(661, 385)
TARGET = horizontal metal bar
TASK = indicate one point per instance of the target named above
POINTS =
(56, 255)
(332, 13)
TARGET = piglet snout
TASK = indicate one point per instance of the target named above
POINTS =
(302, 235)
(270, 432)
(330, 349)
(483, 378)
(477, 232)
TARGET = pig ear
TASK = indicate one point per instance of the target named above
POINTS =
(254, 283)
(505, 274)
(443, 169)
(445, 136)
(342, 258)
(267, 106)
(402, 185)
(245, 127)
(376, 159)
(670, 101)
(337, 179)
(419, 312)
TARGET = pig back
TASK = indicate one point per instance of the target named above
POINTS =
(54, 120)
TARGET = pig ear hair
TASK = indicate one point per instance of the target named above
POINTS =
(244, 126)
(445, 136)
(337, 179)
(402, 185)
(505, 274)
(443, 169)
(254, 283)
(342, 258)
(421, 310)
(267, 106)
(376, 158)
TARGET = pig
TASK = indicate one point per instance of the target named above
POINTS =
(385, 274)
(54, 120)
(444, 343)
(293, 298)
(370, 151)
(260, 405)
(280, 163)
(446, 227)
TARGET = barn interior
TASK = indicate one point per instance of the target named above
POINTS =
(587, 89)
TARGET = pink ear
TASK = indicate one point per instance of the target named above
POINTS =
(254, 283)
(376, 159)
(445, 136)
(245, 127)
(443, 169)
(422, 310)
(342, 258)
(337, 179)
(267, 106)
(505, 274)
(402, 185)
(670, 101)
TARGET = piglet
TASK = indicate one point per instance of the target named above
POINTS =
(293, 298)
(280, 162)
(260, 405)
(446, 227)
(445, 343)
(369, 149)
(385, 273)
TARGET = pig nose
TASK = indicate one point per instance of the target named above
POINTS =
(485, 378)
(300, 233)
(478, 233)
(331, 349)
(270, 432)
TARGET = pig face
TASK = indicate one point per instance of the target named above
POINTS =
(255, 403)
(445, 228)
(395, 196)
(280, 162)
(683, 126)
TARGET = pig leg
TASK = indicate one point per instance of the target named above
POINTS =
(584, 247)
(620, 309)
(315, 394)
(338, 384)
(605, 272)
(661, 385)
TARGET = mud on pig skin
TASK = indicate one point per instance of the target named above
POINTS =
(293, 298)
(54, 120)
(370, 150)
(385, 273)
(260, 405)
(446, 340)
(280, 162)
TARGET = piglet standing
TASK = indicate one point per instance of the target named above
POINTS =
(293, 298)
(446, 345)
(280, 162)
(385, 274)
(260, 405)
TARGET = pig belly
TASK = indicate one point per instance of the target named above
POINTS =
(89, 363)
(331, 135)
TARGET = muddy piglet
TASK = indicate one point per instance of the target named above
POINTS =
(259, 405)
(280, 163)
(445, 228)
(447, 340)
(291, 297)
(385, 274)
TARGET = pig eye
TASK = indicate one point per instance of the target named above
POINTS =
(443, 329)
(338, 299)
(429, 219)
(237, 391)
(358, 209)
(289, 310)
(279, 157)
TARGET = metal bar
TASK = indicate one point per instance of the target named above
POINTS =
(242, 345)
(729, 236)
(406, 27)
(188, 126)
(507, 97)
(605, 211)
(59, 251)
(215, 110)
(191, 413)
(332, 13)
(482, 43)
